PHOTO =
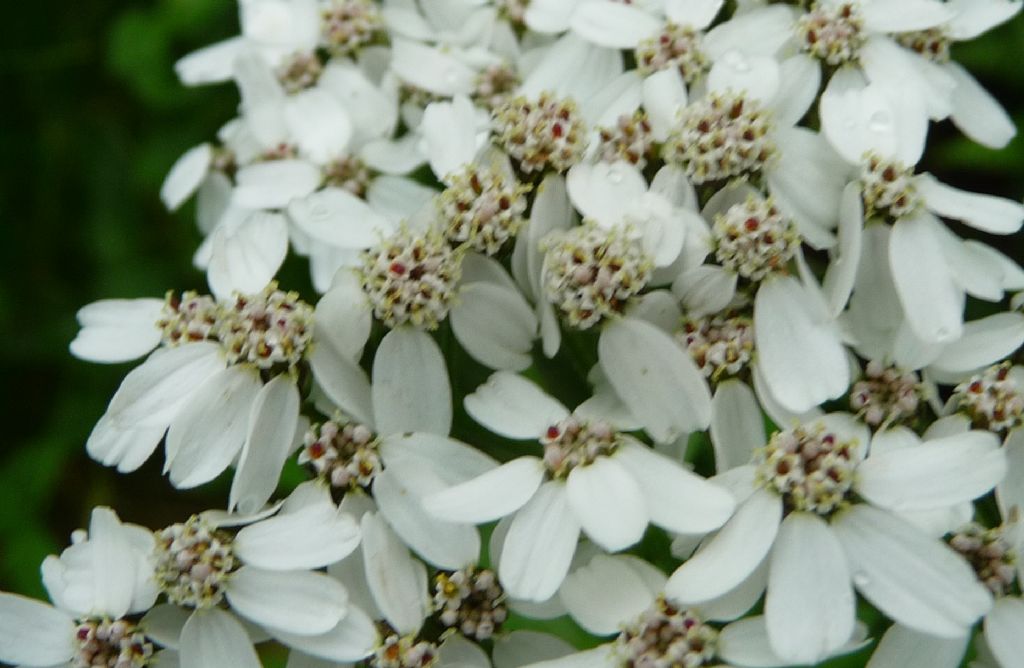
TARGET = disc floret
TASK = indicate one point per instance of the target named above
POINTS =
(349, 24)
(990, 555)
(591, 273)
(540, 134)
(722, 136)
(886, 395)
(187, 319)
(345, 454)
(754, 239)
(887, 188)
(678, 46)
(470, 600)
(832, 33)
(932, 43)
(193, 563)
(484, 207)
(628, 140)
(575, 441)
(666, 635)
(411, 279)
(111, 644)
(812, 468)
(404, 652)
(299, 72)
(268, 329)
(722, 346)
(992, 399)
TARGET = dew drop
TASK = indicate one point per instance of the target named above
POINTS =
(861, 579)
(880, 121)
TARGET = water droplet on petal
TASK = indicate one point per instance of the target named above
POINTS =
(861, 579)
(880, 121)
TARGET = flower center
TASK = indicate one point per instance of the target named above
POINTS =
(591, 273)
(347, 25)
(299, 72)
(540, 134)
(343, 453)
(268, 329)
(348, 173)
(832, 33)
(721, 136)
(107, 644)
(574, 442)
(470, 600)
(720, 345)
(676, 46)
(483, 207)
(629, 139)
(887, 188)
(754, 239)
(992, 399)
(411, 279)
(932, 43)
(989, 554)
(811, 468)
(886, 395)
(281, 151)
(495, 85)
(665, 635)
(193, 563)
(404, 652)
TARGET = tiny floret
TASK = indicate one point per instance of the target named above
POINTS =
(887, 188)
(722, 345)
(666, 635)
(111, 644)
(992, 399)
(754, 239)
(546, 133)
(483, 207)
(677, 46)
(832, 33)
(345, 454)
(193, 563)
(574, 441)
(886, 395)
(470, 600)
(348, 25)
(404, 652)
(629, 140)
(990, 555)
(932, 44)
(811, 468)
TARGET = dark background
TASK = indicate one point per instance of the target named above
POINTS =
(91, 119)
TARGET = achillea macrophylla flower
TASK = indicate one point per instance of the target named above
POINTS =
(591, 477)
(262, 574)
(222, 385)
(624, 595)
(744, 126)
(974, 110)
(800, 360)
(826, 489)
(102, 578)
(931, 267)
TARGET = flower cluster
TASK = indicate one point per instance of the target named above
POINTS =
(653, 296)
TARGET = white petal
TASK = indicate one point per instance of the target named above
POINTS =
(450, 135)
(210, 64)
(757, 77)
(737, 426)
(842, 271)
(398, 582)
(152, 393)
(760, 31)
(656, 379)
(901, 647)
(931, 299)
(809, 610)
(430, 69)
(117, 330)
(398, 491)
(659, 308)
(996, 215)
(604, 191)
(452, 461)
(521, 648)
(915, 580)
(539, 545)
(732, 555)
(185, 176)
(311, 537)
(343, 380)
(604, 595)
(272, 425)
(209, 431)
(491, 496)
(300, 602)
(247, 258)
(799, 350)
(942, 473)
(125, 448)
(799, 83)
(410, 388)
(677, 499)
(979, 115)
(213, 639)
(738, 602)
(272, 185)
(1010, 492)
(1003, 630)
(905, 16)
(318, 125)
(354, 638)
(617, 26)
(705, 289)
(34, 633)
(163, 624)
(608, 502)
(664, 96)
(745, 643)
(696, 13)
(457, 650)
(495, 325)
(550, 16)
(513, 406)
(336, 217)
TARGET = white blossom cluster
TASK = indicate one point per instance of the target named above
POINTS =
(668, 269)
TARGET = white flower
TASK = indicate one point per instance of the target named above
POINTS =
(103, 577)
(591, 478)
(222, 386)
(820, 544)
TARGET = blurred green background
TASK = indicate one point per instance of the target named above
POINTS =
(92, 118)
